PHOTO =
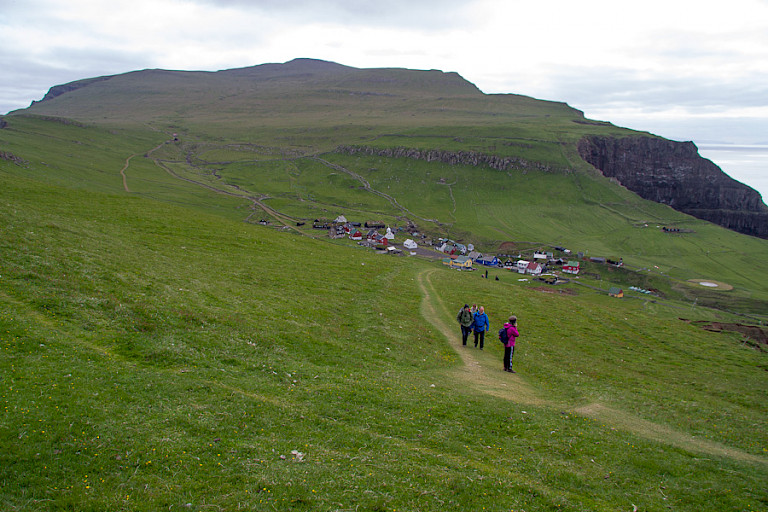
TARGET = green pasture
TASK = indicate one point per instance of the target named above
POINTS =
(157, 356)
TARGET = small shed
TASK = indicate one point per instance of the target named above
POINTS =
(615, 291)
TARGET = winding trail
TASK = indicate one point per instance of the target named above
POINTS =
(367, 186)
(128, 162)
(482, 372)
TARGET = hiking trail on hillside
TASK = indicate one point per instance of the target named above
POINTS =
(128, 162)
(486, 377)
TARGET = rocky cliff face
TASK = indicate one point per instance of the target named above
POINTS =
(674, 173)
(471, 158)
(58, 90)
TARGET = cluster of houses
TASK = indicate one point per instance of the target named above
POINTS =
(452, 248)
(365, 234)
(460, 256)
(539, 263)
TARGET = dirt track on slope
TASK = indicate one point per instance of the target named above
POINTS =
(483, 373)
(128, 162)
(477, 369)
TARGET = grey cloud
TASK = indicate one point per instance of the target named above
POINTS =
(426, 15)
(618, 86)
(26, 80)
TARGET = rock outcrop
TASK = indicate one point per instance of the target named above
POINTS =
(674, 173)
(471, 158)
(10, 157)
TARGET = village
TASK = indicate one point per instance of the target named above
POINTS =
(539, 264)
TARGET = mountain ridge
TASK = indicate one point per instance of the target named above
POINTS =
(326, 106)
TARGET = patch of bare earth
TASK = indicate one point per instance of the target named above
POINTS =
(549, 289)
(754, 335)
(711, 284)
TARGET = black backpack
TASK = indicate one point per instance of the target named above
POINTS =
(503, 336)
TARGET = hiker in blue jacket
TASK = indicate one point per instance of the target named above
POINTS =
(480, 326)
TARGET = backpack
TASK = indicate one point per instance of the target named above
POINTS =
(503, 336)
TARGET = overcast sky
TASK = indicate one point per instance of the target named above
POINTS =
(683, 69)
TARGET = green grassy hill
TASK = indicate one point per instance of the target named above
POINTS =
(161, 350)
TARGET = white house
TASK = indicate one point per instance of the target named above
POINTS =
(534, 269)
(521, 266)
(410, 244)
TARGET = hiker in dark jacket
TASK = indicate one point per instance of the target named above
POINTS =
(480, 325)
(465, 320)
(509, 346)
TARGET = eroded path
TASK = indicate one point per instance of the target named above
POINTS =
(486, 376)
(128, 162)
(479, 375)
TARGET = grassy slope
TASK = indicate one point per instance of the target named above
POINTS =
(156, 356)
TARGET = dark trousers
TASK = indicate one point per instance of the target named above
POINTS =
(480, 335)
(465, 334)
(508, 353)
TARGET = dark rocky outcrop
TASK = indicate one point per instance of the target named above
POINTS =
(471, 158)
(10, 157)
(674, 173)
(3, 123)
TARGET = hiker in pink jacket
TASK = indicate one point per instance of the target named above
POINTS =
(509, 347)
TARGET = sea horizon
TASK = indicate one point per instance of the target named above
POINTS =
(746, 163)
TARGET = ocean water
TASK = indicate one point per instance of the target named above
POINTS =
(745, 163)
